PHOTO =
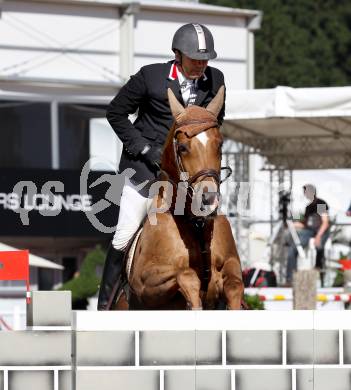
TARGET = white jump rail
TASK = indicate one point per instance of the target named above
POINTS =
(211, 320)
(169, 350)
(224, 322)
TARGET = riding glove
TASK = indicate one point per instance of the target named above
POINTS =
(152, 155)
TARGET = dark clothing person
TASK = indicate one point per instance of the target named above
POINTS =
(312, 223)
(312, 218)
(146, 92)
(348, 212)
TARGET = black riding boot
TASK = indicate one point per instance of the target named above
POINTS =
(111, 278)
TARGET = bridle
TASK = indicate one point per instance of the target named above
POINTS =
(204, 173)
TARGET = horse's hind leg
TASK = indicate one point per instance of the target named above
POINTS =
(189, 284)
(233, 286)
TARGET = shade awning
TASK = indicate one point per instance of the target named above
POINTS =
(34, 261)
(302, 128)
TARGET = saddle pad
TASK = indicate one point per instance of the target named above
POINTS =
(131, 252)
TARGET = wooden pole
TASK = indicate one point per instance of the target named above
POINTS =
(305, 289)
(347, 280)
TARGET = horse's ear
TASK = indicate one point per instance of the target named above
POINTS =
(176, 107)
(216, 103)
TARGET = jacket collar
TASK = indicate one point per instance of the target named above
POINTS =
(173, 83)
(173, 73)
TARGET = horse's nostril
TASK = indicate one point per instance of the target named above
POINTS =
(209, 198)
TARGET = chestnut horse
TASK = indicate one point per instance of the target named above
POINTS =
(186, 259)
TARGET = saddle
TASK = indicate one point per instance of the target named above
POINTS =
(130, 252)
(123, 285)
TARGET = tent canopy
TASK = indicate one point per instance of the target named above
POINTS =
(303, 128)
(294, 128)
(34, 261)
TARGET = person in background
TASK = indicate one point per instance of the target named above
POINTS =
(315, 224)
(348, 212)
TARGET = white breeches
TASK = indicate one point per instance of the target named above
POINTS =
(133, 209)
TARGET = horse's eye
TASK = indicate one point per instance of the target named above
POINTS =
(182, 148)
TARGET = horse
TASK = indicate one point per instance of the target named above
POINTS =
(189, 259)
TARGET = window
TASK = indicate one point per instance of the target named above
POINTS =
(25, 134)
(105, 146)
(74, 133)
(25, 130)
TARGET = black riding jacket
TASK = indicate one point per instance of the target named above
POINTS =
(146, 92)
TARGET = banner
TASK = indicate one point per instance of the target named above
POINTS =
(14, 265)
(38, 202)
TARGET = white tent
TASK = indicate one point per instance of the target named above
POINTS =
(304, 128)
(34, 261)
(294, 128)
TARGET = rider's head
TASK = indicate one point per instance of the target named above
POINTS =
(193, 46)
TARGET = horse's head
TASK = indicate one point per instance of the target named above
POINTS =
(193, 150)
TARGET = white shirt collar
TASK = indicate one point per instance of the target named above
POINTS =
(182, 78)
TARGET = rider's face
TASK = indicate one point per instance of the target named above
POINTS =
(192, 69)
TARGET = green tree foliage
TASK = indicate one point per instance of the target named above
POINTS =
(86, 284)
(253, 302)
(302, 43)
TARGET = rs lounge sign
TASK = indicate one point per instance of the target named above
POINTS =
(40, 202)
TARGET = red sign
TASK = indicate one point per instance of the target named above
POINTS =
(14, 265)
(346, 264)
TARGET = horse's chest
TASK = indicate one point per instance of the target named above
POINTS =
(198, 251)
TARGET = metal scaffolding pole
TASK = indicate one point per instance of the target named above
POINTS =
(237, 198)
(280, 180)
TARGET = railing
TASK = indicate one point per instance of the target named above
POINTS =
(252, 350)
(172, 350)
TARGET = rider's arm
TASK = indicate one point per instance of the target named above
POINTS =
(127, 102)
(220, 78)
(222, 112)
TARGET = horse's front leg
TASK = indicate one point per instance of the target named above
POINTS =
(233, 286)
(189, 285)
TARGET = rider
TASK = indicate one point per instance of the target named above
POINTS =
(193, 82)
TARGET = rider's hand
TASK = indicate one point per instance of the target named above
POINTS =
(152, 155)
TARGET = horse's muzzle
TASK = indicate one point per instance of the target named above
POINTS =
(210, 203)
(210, 198)
(205, 199)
